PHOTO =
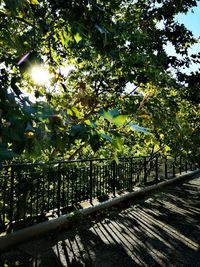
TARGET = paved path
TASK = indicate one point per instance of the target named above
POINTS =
(161, 230)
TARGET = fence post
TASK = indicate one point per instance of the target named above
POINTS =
(166, 168)
(180, 166)
(11, 196)
(156, 162)
(186, 165)
(59, 183)
(114, 177)
(4, 200)
(91, 184)
(145, 170)
(173, 166)
(191, 166)
(131, 177)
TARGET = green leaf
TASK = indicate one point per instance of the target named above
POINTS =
(113, 116)
(64, 37)
(34, 2)
(77, 37)
(29, 128)
(139, 129)
(77, 130)
(106, 137)
(117, 143)
(76, 112)
(167, 148)
(91, 123)
(113, 112)
(94, 125)
(69, 112)
(29, 109)
(106, 115)
(115, 158)
(94, 142)
(119, 120)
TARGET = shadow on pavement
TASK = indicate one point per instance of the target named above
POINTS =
(161, 230)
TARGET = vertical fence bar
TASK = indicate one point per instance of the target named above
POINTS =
(67, 175)
(145, 170)
(24, 199)
(11, 196)
(104, 179)
(4, 198)
(180, 165)
(191, 164)
(37, 196)
(81, 172)
(186, 165)
(43, 191)
(131, 174)
(166, 174)
(63, 191)
(156, 170)
(18, 187)
(31, 198)
(58, 193)
(40, 172)
(96, 191)
(91, 184)
(48, 190)
(173, 167)
(114, 177)
(54, 189)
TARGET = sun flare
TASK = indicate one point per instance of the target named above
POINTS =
(40, 75)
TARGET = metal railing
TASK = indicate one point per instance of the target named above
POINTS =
(30, 191)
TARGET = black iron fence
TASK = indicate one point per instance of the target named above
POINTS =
(29, 191)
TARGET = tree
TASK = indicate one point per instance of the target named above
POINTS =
(107, 44)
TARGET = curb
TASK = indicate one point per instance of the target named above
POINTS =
(26, 234)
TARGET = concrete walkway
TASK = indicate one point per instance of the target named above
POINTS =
(161, 230)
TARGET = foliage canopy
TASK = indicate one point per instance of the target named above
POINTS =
(92, 50)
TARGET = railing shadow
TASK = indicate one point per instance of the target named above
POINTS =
(161, 230)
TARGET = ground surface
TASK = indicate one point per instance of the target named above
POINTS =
(161, 230)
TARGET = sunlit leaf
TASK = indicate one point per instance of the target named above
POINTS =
(34, 2)
(119, 120)
(76, 112)
(115, 158)
(69, 112)
(113, 116)
(145, 117)
(117, 143)
(88, 122)
(106, 115)
(167, 148)
(77, 37)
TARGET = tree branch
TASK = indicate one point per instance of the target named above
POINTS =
(19, 19)
(76, 152)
